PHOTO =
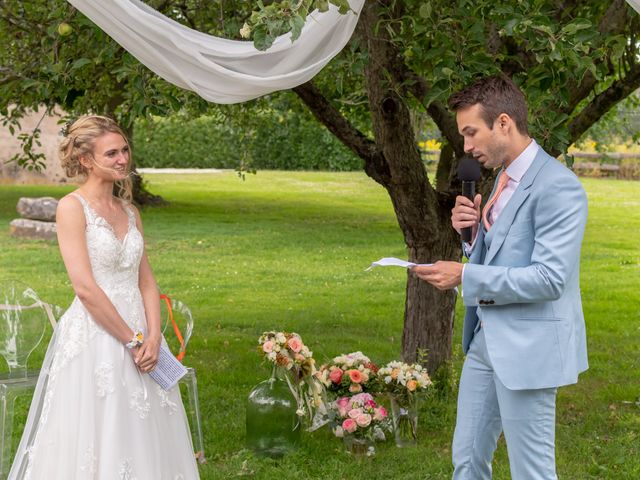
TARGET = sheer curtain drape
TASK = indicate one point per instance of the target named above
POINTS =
(217, 69)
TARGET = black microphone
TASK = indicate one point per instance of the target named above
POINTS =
(468, 174)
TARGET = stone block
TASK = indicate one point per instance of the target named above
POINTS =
(35, 229)
(43, 208)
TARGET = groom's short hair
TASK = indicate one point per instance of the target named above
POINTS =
(496, 95)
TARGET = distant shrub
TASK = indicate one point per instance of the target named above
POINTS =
(273, 140)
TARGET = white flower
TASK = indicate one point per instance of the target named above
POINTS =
(300, 412)
(245, 31)
(272, 356)
(339, 432)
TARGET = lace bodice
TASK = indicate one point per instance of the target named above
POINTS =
(114, 263)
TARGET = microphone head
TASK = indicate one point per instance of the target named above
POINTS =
(468, 169)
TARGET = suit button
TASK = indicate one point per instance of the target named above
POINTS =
(482, 302)
(491, 302)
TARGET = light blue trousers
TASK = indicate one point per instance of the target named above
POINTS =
(486, 408)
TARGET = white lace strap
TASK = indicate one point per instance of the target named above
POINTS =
(88, 211)
(129, 210)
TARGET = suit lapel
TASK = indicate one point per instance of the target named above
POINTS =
(500, 229)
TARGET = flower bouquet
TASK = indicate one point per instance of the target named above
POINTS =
(293, 360)
(349, 374)
(360, 422)
(403, 382)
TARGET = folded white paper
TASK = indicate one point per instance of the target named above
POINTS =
(395, 262)
(168, 370)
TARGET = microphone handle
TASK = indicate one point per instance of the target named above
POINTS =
(469, 191)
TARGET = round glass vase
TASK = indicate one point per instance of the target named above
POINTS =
(404, 413)
(273, 427)
(359, 446)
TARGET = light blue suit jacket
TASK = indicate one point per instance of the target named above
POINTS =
(525, 288)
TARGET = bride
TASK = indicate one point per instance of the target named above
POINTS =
(96, 413)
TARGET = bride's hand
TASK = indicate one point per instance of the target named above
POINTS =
(147, 355)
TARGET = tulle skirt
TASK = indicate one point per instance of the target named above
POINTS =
(95, 416)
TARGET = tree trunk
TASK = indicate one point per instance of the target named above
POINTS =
(424, 220)
(141, 196)
(429, 315)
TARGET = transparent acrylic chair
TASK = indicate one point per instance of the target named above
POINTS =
(23, 322)
(177, 327)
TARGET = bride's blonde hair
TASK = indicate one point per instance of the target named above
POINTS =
(79, 141)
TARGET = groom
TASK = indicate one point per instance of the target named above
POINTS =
(524, 332)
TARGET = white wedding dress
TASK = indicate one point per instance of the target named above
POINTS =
(94, 415)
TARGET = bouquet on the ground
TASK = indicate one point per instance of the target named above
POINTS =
(361, 417)
(402, 380)
(287, 352)
(349, 374)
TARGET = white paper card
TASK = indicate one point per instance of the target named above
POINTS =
(168, 370)
(394, 262)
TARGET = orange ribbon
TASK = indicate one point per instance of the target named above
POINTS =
(176, 330)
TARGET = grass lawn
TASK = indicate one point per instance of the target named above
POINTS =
(287, 251)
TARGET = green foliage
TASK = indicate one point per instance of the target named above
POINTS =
(280, 17)
(285, 140)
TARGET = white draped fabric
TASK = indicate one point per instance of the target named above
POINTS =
(635, 4)
(218, 69)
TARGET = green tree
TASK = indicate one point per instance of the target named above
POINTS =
(574, 60)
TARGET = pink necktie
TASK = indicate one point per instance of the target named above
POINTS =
(502, 182)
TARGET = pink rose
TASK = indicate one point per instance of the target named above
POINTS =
(267, 347)
(370, 404)
(355, 413)
(299, 358)
(363, 420)
(380, 414)
(355, 376)
(335, 375)
(342, 404)
(349, 425)
(295, 344)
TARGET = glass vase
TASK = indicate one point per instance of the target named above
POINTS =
(404, 412)
(359, 446)
(273, 427)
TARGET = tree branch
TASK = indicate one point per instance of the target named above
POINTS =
(417, 86)
(337, 124)
(602, 102)
(613, 21)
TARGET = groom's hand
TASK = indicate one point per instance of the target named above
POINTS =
(442, 275)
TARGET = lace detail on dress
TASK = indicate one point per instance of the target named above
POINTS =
(165, 402)
(139, 403)
(126, 470)
(90, 463)
(104, 379)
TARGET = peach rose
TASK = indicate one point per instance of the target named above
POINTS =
(295, 344)
(335, 375)
(394, 373)
(412, 385)
(355, 376)
(349, 425)
(363, 420)
(267, 347)
(355, 388)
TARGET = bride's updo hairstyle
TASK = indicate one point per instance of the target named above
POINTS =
(79, 141)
